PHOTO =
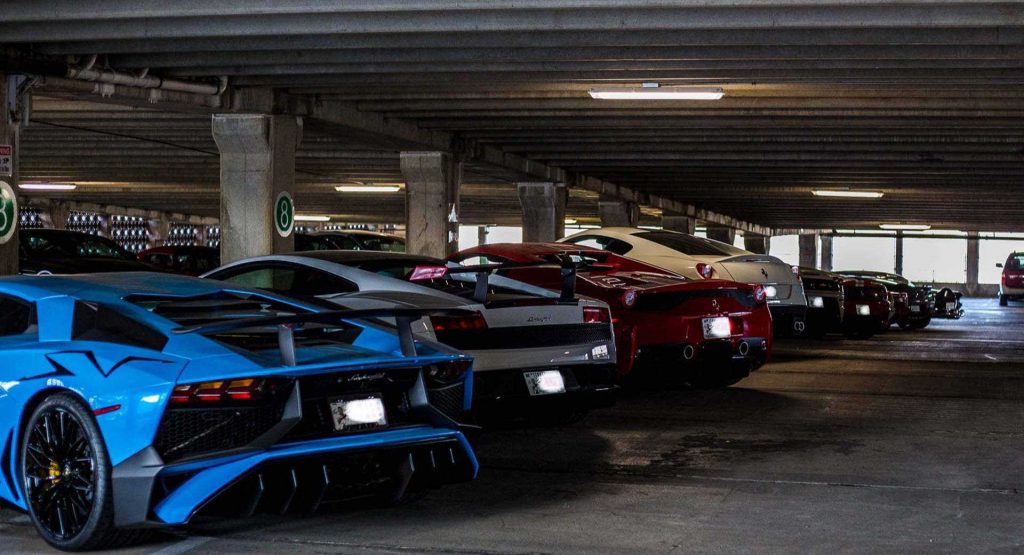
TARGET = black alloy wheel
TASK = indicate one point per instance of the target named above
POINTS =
(66, 475)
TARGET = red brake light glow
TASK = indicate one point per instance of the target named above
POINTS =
(596, 315)
(759, 294)
(424, 273)
(246, 389)
(459, 323)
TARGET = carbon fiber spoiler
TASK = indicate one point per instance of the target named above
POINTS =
(404, 317)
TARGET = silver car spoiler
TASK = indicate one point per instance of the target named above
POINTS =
(404, 317)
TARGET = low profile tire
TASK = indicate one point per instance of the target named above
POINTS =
(1003, 301)
(65, 471)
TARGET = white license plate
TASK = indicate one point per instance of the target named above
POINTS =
(915, 308)
(717, 328)
(353, 414)
(544, 382)
(950, 306)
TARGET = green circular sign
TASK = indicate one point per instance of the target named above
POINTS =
(284, 214)
(8, 212)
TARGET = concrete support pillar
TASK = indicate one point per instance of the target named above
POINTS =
(757, 244)
(543, 211)
(618, 213)
(827, 251)
(257, 167)
(722, 234)
(899, 252)
(808, 250)
(59, 212)
(682, 224)
(9, 135)
(432, 181)
(973, 262)
(481, 235)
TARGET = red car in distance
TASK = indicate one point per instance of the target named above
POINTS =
(709, 333)
(868, 307)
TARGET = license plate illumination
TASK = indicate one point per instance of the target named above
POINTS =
(358, 413)
(717, 328)
(915, 308)
(950, 306)
(546, 382)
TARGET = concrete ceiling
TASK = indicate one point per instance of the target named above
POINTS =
(921, 100)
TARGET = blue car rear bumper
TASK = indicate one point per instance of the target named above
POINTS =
(424, 454)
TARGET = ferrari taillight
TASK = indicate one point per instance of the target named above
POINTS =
(596, 315)
(246, 389)
(705, 271)
(475, 321)
(760, 296)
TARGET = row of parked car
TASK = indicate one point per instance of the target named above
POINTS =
(136, 398)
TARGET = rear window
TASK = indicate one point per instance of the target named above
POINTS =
(382, 243)
(16, 317)
(689, 244)
(1015, 261)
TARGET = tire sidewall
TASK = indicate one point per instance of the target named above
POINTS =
(100, 515)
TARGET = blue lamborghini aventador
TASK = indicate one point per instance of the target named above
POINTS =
(136, 400)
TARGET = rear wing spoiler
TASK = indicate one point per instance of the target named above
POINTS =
(286, 325)
(566, 264)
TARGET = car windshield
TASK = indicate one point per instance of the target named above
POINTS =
(382, 243)
(71, 245)
(1015, 262)
(689, 244)
(462, 285)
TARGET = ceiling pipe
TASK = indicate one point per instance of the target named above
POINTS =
(143, 80)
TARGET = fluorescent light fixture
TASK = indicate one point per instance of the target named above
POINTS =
(657, 93)
(368, 188)
(906, 227)
(308, 218)
(839, 193)
(569, 221)
(47, 186)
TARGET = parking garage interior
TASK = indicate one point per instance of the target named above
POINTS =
(843, 135)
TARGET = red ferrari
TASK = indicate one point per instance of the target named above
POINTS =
(710, 333)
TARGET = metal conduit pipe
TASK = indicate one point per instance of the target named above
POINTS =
(143, 80)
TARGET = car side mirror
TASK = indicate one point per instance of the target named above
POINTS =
(999, 264)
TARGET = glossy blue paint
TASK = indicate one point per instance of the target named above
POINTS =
(46, 359)
(179, 507)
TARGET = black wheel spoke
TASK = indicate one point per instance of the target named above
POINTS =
(60, 473)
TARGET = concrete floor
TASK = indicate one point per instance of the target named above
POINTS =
(911, 441)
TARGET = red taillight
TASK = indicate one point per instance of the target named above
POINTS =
(424, 273)
(705, 271)
(246, 389)
(759, 294)
(596, 315)
(1003, 279)
(736, 325)
(458, 323)
(629, 298)
(796, 271)
(447, 372)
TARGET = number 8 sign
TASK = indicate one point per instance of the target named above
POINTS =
(8, 212)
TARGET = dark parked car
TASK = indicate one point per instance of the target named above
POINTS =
(52, 251)
(917, 311)
(824, 293)
(868, 307)
(349, 240)
(190, 261)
